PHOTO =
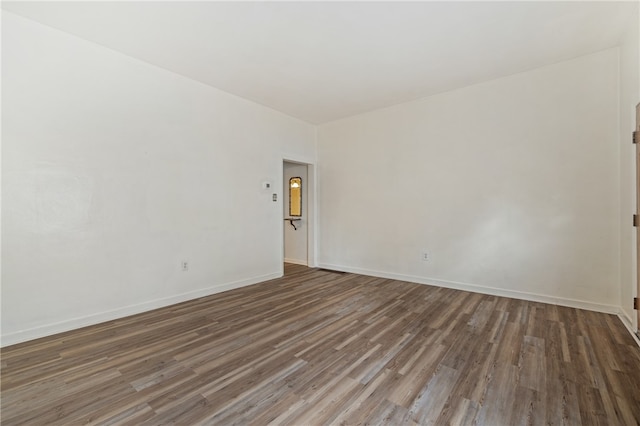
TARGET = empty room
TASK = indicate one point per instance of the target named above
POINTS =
(308, 213)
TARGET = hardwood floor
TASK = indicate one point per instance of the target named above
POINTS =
(319, 347)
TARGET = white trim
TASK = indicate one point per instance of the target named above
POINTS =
(295, 261)
(628, 323)
(72, 324)
(312, 215)
(533, 297)
(475, 288)
(75, 323)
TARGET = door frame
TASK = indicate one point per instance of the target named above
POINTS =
(637, 154)
(312, 217)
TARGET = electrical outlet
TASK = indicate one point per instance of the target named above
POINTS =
(185, 265)
(425, 256)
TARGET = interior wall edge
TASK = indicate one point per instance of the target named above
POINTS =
(76, 323)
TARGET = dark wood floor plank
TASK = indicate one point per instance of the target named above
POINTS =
(321, 347)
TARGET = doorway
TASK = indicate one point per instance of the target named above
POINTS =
(298, 218)
(296, 222)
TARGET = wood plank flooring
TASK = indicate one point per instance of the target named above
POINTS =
(319, 347)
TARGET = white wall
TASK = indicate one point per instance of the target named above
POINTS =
(114, 171)
(295, 241)
(511, 185)
(629, 98)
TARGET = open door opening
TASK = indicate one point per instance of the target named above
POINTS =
(298, 214)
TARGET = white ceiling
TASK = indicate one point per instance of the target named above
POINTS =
(321, 61)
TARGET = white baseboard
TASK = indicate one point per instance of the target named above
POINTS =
(532, 297)
(75, 323)
(628, 323)
(295, 261)
(514, 294)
